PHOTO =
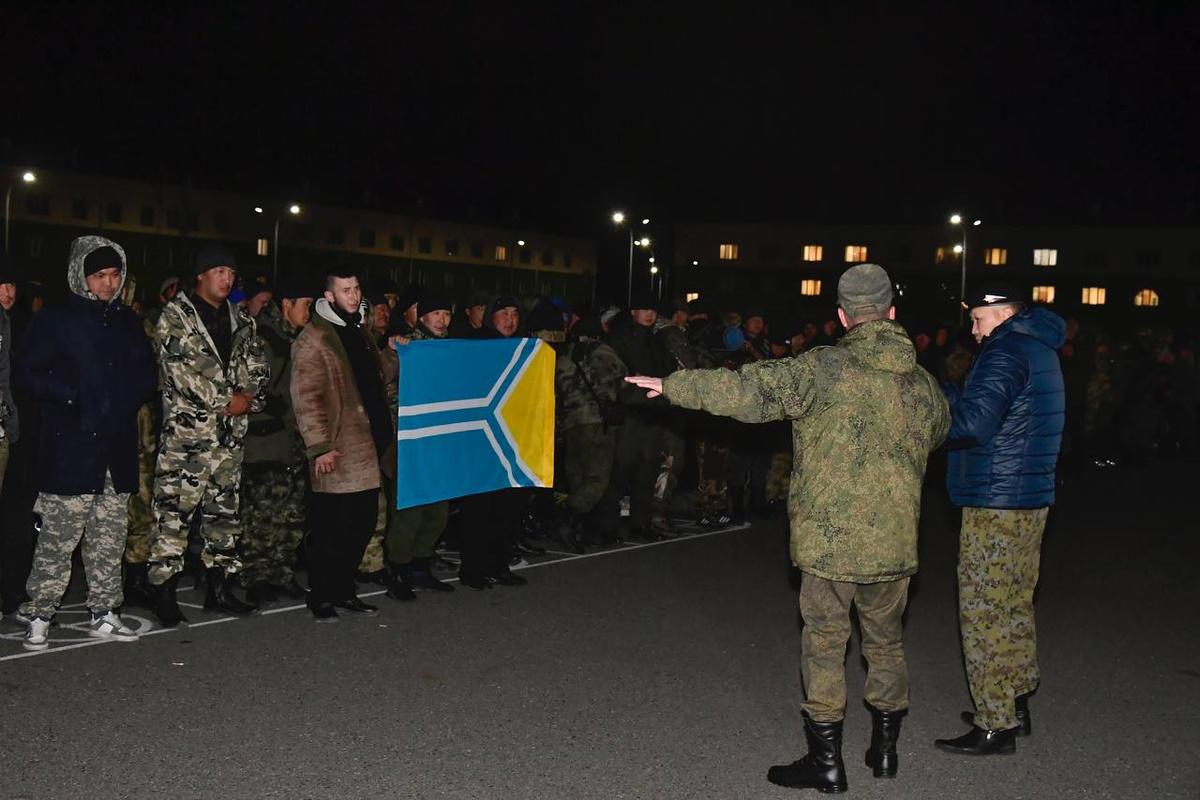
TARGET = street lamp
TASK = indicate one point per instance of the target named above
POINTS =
(293, 209)
(961, 251)
(27, 177)
(619, 218)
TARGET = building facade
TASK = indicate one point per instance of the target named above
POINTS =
(161, 226)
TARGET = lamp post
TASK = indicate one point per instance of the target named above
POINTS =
(961, 250)
(293, 209)
(619, 218)
(512, 266)
(27, 177)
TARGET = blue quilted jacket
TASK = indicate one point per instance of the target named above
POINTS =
(1007, 422)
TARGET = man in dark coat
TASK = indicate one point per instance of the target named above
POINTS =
(1004, 440)
(91, 367)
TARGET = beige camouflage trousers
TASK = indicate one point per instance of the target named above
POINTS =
(373, 560)
(100, 520)
(140, 529)
(825, 607)
(998, 558)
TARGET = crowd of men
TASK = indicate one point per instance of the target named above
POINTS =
(239, 429)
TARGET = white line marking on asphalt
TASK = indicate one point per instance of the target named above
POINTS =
(623, 548)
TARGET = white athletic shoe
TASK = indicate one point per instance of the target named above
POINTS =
(109, 626)
(38, 635)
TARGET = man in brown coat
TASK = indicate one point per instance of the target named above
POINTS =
(338, 390)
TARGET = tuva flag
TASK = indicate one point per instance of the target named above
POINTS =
(473, 416)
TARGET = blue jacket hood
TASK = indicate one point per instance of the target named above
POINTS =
(1038, 322)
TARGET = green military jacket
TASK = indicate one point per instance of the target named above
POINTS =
(864, 420)
(197, 386)
(271, 435)
(601, 366)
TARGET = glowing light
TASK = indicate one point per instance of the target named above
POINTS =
(956, 219)
(977, 223)
(520, 242)
(258, 209)
(646, 221)
(29, 177)
(654, 270)
(618, 217)
(958, 249)
(644, 241)
(294, 209)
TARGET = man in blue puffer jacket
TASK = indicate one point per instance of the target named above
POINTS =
(1006, 429)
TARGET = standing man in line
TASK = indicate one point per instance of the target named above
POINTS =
(214, 375)
(9, 423)
(342, 411)
(1004, 442)
(864, 419)
(88, 363)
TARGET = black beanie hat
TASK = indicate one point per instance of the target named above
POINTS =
(546, 318)
(213, 255)
(101, 258)
(292, 287)
(642, 300)
(434, 301)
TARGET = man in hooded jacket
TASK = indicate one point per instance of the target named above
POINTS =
(89, 365)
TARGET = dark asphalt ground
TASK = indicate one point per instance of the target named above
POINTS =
(669, 671)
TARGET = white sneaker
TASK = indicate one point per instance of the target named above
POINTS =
(38, 635)
(110, 626)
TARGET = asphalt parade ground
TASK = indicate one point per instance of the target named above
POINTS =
(657, 671)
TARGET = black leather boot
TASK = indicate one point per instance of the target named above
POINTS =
(885, 731)
(822, 768)
(220, 595)
(1025, 728)
(978, 742)
(398, 586)
(166, 607)
(566, 531)
(138, 589)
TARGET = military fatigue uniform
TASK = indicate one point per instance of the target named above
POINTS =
(588, 443)
(864, 419)
(142, 523)
(199, 466)
(275, 469)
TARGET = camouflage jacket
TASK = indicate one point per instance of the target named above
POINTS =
(602, 367)
(864, 419)
(197, 386)
(271, 435)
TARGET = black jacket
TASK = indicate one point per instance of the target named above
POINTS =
(90, 366)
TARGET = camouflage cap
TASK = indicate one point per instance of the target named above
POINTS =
(865, 288)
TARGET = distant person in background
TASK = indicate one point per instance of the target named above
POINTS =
(22, 436)
(466, 324)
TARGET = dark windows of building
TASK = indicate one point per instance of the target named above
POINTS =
(112, 212)
(148, 215)
(567, 260)
(547, 258)
(366, 238)
(37, 203)
(1149, 260)
(174, 218)
(335, 236)
(424, 244)
(1095, 259)
(901, 254)
(526, 255)
(476, 250)
(452, 247)
(397, 242)
(79, 208)
(769, 252)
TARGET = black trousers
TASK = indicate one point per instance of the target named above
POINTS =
(341, 525)
(17, 540)
(488, 525)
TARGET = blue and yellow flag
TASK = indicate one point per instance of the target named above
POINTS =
(473, 416)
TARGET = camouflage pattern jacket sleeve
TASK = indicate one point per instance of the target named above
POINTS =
(761, 392)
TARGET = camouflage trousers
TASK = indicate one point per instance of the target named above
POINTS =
(712, 460)
(587, 460)
(273, 518)
(372, 560)
(195, 485)
(140, 529)
(999, 553)
(100, 520)
(825, 607)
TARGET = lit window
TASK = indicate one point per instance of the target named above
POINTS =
(690, 296)
(1146, 297)
(262, 247)
(1093, 295)
(501, 253)
(998, 257)
(810, 288)
(940, 256)
(1045, 258)
(729, 252)
(856, 253)
(1043, 294)
(813, 252)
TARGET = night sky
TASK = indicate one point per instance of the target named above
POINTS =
(550, 116)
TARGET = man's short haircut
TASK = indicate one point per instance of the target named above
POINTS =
(342, 272)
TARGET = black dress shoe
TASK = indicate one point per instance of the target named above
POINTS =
(509, 578)
(220, 595)
(978, 742)
(422, 580)
(474, 583)
(325, 613)
(398, 588)
(357, 606)
(1025, 726)
(166, 607)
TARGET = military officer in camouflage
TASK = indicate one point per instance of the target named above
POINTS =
(214, 374)
(275, 469)
(1005, 435)
(864, 419)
